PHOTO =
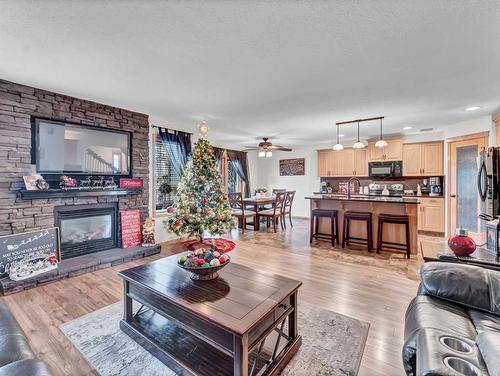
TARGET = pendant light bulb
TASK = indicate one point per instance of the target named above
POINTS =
(338, 146)
(381, 143)
(358, 144)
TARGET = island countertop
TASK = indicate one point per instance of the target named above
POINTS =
(362, 198)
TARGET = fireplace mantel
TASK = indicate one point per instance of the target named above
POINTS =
(56, 193)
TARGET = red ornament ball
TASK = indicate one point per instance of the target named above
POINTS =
(200, 261)
(223, 259)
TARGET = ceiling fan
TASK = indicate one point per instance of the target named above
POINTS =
(266, 148)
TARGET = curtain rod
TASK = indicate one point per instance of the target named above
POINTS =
(359, 120)
(168, 129)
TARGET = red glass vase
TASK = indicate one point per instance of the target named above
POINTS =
(461, 244)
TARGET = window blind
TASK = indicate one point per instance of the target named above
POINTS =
(164, 176)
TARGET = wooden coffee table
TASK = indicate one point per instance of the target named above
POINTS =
(219, 327)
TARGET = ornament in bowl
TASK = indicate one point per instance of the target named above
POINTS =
(461, 244)
(203, 263)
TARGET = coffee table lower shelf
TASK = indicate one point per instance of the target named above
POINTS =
(186, 354)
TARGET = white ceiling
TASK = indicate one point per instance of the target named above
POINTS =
(288, 70)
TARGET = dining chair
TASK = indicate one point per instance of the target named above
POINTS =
(239, 210)
(276, 212)
(287, 207)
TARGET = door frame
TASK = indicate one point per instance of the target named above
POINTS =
(481, 140)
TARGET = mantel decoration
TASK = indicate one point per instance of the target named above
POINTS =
(201, 203)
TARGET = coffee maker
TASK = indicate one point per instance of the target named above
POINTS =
(435, 186)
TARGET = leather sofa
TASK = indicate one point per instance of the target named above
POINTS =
(452, 326)
(16, 356)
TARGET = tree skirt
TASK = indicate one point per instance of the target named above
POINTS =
(332, 344)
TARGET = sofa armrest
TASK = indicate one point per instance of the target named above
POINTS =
(466, 285)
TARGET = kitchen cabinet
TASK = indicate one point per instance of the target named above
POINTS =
(344, 163)
(423, 159)
(392, 152)
(431, 214)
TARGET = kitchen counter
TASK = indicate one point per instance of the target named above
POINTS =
(365, 198)
(372, 204)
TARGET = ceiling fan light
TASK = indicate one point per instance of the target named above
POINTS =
(358, 145)
(269, 154)
(262, 154)
(338, 147)
(381, 144)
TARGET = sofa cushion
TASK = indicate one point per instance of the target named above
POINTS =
(8, 324)
(484, 321)
(489, 345)
(429, 312)
(14, 347)
(27, 367)
(467, 285)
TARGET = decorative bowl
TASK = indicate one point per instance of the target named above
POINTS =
(199, 273)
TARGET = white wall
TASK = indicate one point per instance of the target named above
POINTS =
(267, 175)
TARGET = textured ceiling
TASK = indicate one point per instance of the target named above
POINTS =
(288, 70)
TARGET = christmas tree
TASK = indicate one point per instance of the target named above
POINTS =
(201, 202)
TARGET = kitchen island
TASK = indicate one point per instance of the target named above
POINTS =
(375, 205)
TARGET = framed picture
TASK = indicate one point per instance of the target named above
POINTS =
(292, 167)
(30, 182)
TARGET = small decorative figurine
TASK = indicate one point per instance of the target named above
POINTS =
(67, 182)
(98, 183)
(41, 184)
(110, 182)
(85, 183)
(148, 232)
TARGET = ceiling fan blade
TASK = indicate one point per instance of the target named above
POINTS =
(279, 147)
(250, 149)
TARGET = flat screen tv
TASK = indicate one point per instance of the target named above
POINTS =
(68, 148)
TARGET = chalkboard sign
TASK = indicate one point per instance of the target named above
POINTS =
(131, 228)
(27, 252)
(291, 167)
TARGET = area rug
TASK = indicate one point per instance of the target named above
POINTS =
(332, 344)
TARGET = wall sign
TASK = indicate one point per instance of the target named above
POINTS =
(131, 227)
(28, 254)
(292, 167)
(131, 183)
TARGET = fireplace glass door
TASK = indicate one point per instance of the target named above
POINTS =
(86, 229)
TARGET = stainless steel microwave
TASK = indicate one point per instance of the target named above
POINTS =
(385, 169)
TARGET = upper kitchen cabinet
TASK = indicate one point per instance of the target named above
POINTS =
(348, 162)
(423, 159)
(392, 152)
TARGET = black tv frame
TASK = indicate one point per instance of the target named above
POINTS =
(35, 142)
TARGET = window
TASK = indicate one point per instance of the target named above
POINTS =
(164, 176)
(233, 179)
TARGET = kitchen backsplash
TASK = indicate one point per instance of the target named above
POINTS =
(409, 183)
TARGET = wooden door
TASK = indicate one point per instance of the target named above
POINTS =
(323, 162)
(375, 154)
(412, 157)
(432, 159)
(360, 162)
(394, 150)
(463, 200)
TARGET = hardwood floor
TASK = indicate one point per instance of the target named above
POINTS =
(368, 287)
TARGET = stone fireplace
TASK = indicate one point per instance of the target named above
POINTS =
(86, 229)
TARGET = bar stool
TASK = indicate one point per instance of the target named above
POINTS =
(334, 221)
(394, 219)
(357, 216)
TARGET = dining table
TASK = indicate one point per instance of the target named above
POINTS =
(256, 202)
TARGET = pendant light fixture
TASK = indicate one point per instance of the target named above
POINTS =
(381, 143)
(358, 144)
(338, 146)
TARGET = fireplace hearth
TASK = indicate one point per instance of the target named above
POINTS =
(86, 229)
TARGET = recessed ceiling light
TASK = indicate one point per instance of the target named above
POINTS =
(472, 108)
(341, 135)
(406, 128)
